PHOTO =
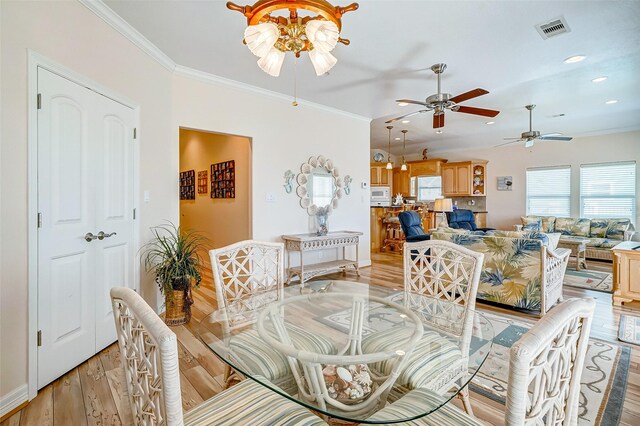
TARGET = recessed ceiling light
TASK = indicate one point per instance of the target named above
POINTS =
(490, 122)
(574, 59)
(599, 79)
(397, 139)
(439, 132)
(612, 101)
(403, 103)
(406, 121)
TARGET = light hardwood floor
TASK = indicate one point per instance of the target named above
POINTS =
(92, 393)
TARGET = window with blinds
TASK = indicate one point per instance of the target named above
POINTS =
(549, 191)
(608, 190)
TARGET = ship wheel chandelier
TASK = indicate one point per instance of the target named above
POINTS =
(269, 34)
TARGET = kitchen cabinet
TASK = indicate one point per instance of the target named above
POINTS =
(380, 175)
(431, 167)
(464, 178)
(402, 182)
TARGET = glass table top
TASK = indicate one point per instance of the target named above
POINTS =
(347, 349)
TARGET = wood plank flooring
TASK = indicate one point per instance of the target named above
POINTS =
(94, 392)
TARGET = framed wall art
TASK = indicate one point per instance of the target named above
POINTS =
(223, 180)
(203, 184)
(505, 183)
(188, 185)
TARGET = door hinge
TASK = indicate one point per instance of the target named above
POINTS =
(39, 337)
(39, 101)
(135, 133)
(39, 220)
(134, 214)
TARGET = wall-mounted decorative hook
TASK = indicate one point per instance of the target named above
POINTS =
(347, 184)
(288, 179)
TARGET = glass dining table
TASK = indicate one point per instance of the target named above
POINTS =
(346, 350)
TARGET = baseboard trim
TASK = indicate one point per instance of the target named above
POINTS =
(13, 401)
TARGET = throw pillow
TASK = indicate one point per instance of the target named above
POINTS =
(548, 224)
(544, 239)
(581, 228)
(616, 228)
(564, 225)
(531, 223)
(598, 228)
(554, 239)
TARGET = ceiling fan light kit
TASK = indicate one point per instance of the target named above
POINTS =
(270, 36)
(440, 102)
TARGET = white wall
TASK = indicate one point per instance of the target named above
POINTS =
(283, 137)
(506, 207)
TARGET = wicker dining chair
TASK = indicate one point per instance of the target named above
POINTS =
(149, 353)
(445, 272)
(545, 367)
(248, 275)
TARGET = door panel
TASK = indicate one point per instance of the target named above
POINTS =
(448, 181)
(65, 260)
(463, 180)
(85, 184)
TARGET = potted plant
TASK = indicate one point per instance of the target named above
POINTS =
(174, 256)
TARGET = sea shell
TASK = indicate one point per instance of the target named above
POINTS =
(344, 374)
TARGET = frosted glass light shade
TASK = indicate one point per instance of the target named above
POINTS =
(322, 61)
(261, 38)
(271, 63)
(389, 165)
(322, 34)
(403, 167)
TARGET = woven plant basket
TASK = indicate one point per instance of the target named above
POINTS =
(178, 310)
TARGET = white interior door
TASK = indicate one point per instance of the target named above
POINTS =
(85, 185)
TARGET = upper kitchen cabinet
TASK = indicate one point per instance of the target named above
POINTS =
(426, 167)
(464, 178)
(401, 182)
(380, 175)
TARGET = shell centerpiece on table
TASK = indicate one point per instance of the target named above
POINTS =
(350, 384)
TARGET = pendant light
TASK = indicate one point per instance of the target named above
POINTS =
(404, 142)
(389, 163)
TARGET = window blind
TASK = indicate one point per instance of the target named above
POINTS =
(549, 191)
(608, 190)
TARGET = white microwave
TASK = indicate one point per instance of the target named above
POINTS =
(380, 196)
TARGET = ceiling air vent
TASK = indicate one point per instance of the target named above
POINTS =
(553, 28)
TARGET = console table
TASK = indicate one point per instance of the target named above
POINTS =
(312, 242)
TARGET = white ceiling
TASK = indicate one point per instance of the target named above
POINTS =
(487, 44)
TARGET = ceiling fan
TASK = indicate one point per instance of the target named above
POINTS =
(441, 101)
(532, 135)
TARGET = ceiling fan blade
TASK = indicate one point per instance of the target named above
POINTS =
(476, 111)
(555, 138)
(529, 143)
(513, 139)
(409, 101)
(393, 120)
(469, 95)
(509, 143)
(544, 135)
(438, 120)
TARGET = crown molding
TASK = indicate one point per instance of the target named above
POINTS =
(222, 81)
(123, 27)
(105, 13)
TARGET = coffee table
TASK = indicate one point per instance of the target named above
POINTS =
(346, 314)
(578, 247)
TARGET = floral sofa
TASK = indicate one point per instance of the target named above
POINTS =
(603, 234)
(520, 269)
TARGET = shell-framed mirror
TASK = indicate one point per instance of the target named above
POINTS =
(319, 185)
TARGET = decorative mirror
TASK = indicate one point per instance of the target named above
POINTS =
(319, 185)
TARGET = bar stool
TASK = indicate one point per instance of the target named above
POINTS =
(393, 235)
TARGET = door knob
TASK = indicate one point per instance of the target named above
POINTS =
(90, 237)
(101, 235)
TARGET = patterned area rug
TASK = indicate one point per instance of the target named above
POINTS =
(604, 377)
(592, 280)
(629, 329)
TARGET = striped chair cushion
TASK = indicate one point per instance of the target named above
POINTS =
(416, 402)
(260, 358)
(432, 355)
(249, 403)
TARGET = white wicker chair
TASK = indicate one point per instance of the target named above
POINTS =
(149, 354)
(248, 275)
(545, 368)
(443, 271)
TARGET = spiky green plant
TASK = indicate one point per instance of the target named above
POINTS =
(174, 256)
